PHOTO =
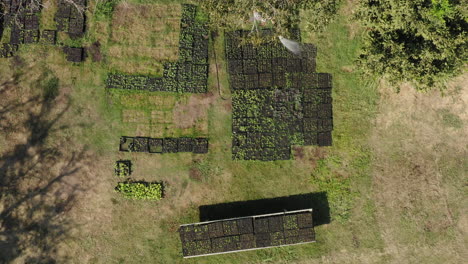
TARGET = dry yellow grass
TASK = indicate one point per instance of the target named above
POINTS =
(162, 102)
(134, 116)
(164, 115)
(144, 36)
(194, 112)
(419, 169)
(44, 171)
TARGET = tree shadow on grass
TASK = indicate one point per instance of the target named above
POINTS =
(317, 201)
(35, 192)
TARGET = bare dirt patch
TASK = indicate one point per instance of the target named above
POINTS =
(95, 51)
(309, 155)
(193, 112)
(195, 174)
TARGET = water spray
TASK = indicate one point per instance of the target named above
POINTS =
(291, 45)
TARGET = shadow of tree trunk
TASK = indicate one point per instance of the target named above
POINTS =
(35, 193)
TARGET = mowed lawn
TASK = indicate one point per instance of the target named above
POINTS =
(393, 176)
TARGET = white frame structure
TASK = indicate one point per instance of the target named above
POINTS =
(253, 219)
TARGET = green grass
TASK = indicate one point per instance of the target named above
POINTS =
(144, 232)
(344, 173)
(126, 231)
(103, 9)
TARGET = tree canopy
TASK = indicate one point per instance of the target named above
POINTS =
(419, 41)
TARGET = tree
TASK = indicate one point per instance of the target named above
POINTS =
(281, 15)
(418, 41)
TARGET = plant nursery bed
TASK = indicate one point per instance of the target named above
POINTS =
(277, 99)
(123, 168)
(247, 233)
(163, 145)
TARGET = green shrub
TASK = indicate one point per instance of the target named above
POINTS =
(140, 190)
(105, 8)
(421, 41)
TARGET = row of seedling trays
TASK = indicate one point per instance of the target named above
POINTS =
(164, 145)
(246, 152)
(247, 233)
(275, 65)
(280, 80)
(171, 81)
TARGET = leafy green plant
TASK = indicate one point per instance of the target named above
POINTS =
(441, 8)
(140, 190)
(290, 222)
(122, 168)
(105, 8)
(423, 42)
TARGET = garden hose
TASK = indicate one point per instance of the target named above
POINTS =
(213, 36)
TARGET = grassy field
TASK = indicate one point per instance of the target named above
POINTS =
(394, 176)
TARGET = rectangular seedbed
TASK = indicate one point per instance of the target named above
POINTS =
(185, 144)
(164, 145)
(123, 168)
(247, 233)
(31, 36)
(170, 145)
(7, 50)
(325, 138)
(155, 145)
(140, 144)
(126, 143)
(200, 146)
(74, 54)
(49, 37)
